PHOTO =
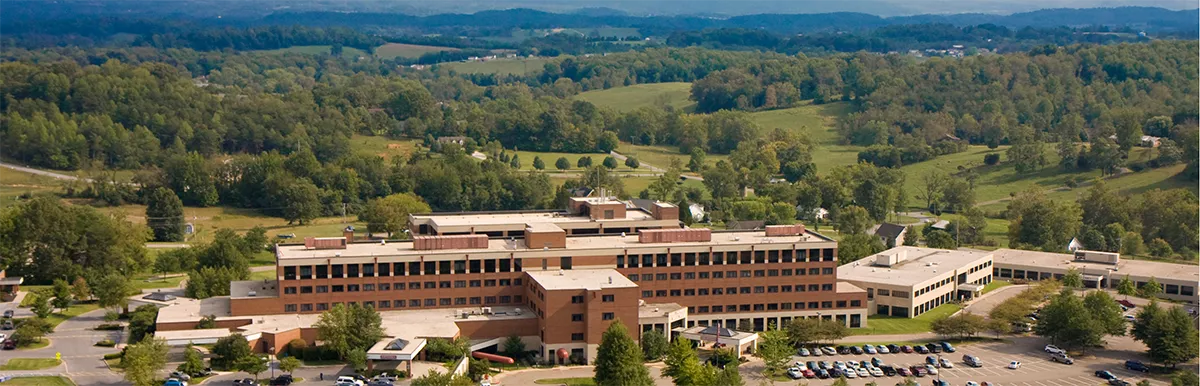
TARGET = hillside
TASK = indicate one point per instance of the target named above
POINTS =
(624, 99)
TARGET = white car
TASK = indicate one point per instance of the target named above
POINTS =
(1014, 365)
(875, 371)
(1054, 349)
(851, 374)
(801, 367)
(972, 383)
(795, 373)
(946, 364)
(882, 349)
(863, 373)
(931, 369)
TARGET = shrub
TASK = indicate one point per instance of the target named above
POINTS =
(1072, 182)
(111, 356)
(106, 343)
(991, 158)
(111, 316)
(110, 327)
(296, 348)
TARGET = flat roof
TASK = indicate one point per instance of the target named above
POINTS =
(405, 248)
(589, 279)
(542, 227)
(657, 310)
(261, 288)
(208, 333)
(920, 265)
(521, 219)
(1064, 261)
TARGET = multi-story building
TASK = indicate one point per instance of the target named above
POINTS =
(1099, 270)
(557, 292)
(908, 281)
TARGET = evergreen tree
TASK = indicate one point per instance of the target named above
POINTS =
(562, 163)
(654, 345)
(193, 361)
(164, 215)
(610, 162)
(515, 162)
(682, 363)
(538, 163)
(618, 359)
(62, 294)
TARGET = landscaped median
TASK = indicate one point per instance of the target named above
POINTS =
(894, 325)
(39, 381)
(18, 364)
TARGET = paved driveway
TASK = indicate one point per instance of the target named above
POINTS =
(984, 304)
(83, 362)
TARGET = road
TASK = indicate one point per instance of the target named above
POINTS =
(42, 172)
(75, 339)
(984, 304)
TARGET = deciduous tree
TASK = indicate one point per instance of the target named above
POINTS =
(390, 214)
(143, 360)
(348, 328)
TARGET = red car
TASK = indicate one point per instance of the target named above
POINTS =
(903, 372)
(1127, 304)
(919, 371)
(808, 373)
(906, 349)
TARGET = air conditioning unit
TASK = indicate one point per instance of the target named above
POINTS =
(517, 311)
(486, 310)
(252, 293)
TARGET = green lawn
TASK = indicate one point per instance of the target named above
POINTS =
(78, 309)
(550, 157)
(17, 364)
(348, 52)
(262, 275)
(39, 381)
(393, 50)
(674, 94)
(39, 344)
(566, 381)
(498, 66)
(997, 229)
(890, 325)
(661, 156)
(208, 220)
(382, 146)
(995, 284)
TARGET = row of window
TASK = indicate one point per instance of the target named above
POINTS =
(887, 292)
(774, 307)
(771, 289)
(731, 274)
(412, 303)
(931, 287)
(400, 286)
(725, 258)
(412, 268)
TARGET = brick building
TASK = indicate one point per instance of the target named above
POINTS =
(556, 279)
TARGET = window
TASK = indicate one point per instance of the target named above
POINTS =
(460, 284)
(814, 271)
(339, 288)
(746, 273)
(430, 302)
(444, 284)
(772, 272)
(503, 282)
(579, 336)
(703, 275)
(486, 283)
(660, 293)
(369, 304)
(322, 289)
(744, 290)
(855, 303)
(576, 299)
(368, 287)
(814, 287)
(718, 275)
(760, 273)
(322, 306)
(352, 288)
(460, 301)
(476, 300)
(633, 277)
(479, 283)
(607, 298)
(884, 292)
(760, 289)
(647, 294)
(702, 292)
(660, 276)
(675, 293)
(576, 317)
(368, 270)
(289, 308)
(676, 276)
(385, 304)
(827, 304)
(506, 299)
(647, 277)
(608, 316)
(841, 304)
(385, 287)
(826, 271)
(444, 301)
(431, 284)
(827, 287)
(337, 271)
(689, 292)
(718, 291)
(351, 270)
(306, 289)
(564, 263)
(289, 290)
(306, 272)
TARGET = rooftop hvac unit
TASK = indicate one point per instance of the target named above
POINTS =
(517, 311)
(464, 313)
(252, 293)
(486, 310)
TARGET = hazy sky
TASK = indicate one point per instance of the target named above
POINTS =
(740, 7)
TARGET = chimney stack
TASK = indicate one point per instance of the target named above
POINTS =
(348, 233)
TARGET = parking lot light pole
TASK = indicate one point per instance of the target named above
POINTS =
(939, 364)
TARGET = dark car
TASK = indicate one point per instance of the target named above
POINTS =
(946, 346)
(1117, 382)
(918, 371)
(933, 348)
(9, 344)
(876, 362)
(906, 349)
(939, 382)
(282, 380)
(1105, 375)
(931, 360)
(843, 350)
(380, 382)
(893, 348)
(921, 349)
(824, 365)
(888, 370)
(835, 373)
(244, 382)
(8, 313)
(821, 373)
(1137, 366)
(812, 365)
(903, 371)
(7, 325)
(856, 350)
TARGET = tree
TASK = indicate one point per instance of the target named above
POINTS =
(1160, 248)
(1065, 321)
(1073, 279)
(59, 240)
(940, 239)
(1151, 289)
(584, 162)
(852, 220)
(515, 162)
(347, 328)
(514, 347)
(618, 359)
(932, 185)
(80, 290)
(251, 364)
(991, 159)
(538, 163)
(1126, 287)
(654, 345)
(1185, 378)
(1132, 244)
(610, 162)
(193, 361)
(41, 304)
(111, 290)
(776, 350)
(62, 294)
(190, 176)
(1041, 222)
(30, 332)
(299, 199)
(562, 163)
(1105, 312)
(357, 359)
(858, 245)
(143, 360)
(607, 142)
(682, 363)
(164, 215)
(840, 381)
(962, 326)
(632, 162)
(142, 322)
(229, 350)
(289, 364)
(390, 214)
(1170, 335)
(436, 378)
(696, 160)
(876, 197)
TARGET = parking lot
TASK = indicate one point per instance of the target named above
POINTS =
(1036, 368)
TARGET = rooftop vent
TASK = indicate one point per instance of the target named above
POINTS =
(252, 294)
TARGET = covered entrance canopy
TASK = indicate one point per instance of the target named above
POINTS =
(969, 291)
(720, 337)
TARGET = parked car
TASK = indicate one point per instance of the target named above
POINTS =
(921, 349)
(822, 373)
(842, 350)
(918, 371)
(945, 363)
(829, 350)
(1118, 382)
(1137, 366)
(343, 382)
(893, 348)
(972, 361)
(180, 376)
(946, 346)
(824, 365)
(387, 383)
(1053, 349)
(835, 373)
(1014, 365)
(930, 360)
(175, 382)
(849, 374)
(1105, 375)
(875, 371)
(888, 370)
(795, 373)
(933, 348)
(876, 362)
(7, 325)
(808, 373)
(350, 380)
(803, 352)
(1127, 304)
(939, 382)
(869, 349)
(856, 350)
(972, 383)
(244, 382)
(931, 369)
(811, 365)
(282, 380)
(906, 349)
(1062, 358)
(8, 314)
(8, 344)
(816, 352)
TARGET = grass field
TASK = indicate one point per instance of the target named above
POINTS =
(17, 364)
(393, 50)
(498, 66)
(348, 52)
(550, 157)
(890, 325)
(994, 285)
(208, 220)
(14, 184)
(382, 146)
(39, 381)
(566, 381)
(674, 94)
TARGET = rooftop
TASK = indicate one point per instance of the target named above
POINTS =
(917, 265)
(589, 279)
(523, 218)
(1137, 268)
(254, 288)
(405, 248)
(656, 310)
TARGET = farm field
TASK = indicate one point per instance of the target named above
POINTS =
(348, 52)
(382, 146)
(674, 94)
(393, 50)
(498, 66)
(14, 184)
